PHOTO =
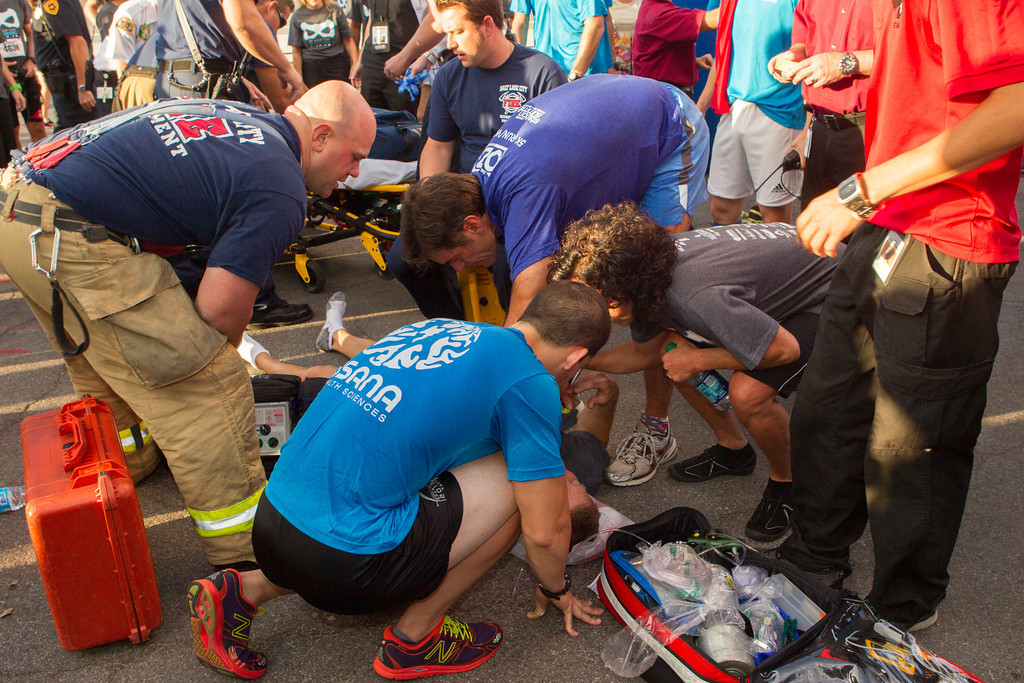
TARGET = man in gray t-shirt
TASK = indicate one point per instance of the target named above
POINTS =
(748, 295)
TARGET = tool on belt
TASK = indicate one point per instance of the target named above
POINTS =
(48, 154)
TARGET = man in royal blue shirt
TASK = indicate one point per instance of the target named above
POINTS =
(382, 497)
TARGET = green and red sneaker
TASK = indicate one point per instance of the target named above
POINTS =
(221, 618)
(452, 647)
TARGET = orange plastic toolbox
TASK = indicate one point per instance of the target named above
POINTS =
(86, 527)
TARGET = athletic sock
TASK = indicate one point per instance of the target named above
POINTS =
(779, 490)
(404, 638)
(335, 317)
(655, 424)
(249, 348)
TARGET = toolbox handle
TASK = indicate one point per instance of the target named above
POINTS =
(105, 494)
(72, 450)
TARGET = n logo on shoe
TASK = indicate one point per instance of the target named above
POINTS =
(441, 653)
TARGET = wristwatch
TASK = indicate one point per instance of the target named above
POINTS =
(848, 64)
(82, 88)
(852, 196)
(573, 76)
(555, 595)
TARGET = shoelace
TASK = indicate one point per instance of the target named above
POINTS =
(455, 629)
(628, 451)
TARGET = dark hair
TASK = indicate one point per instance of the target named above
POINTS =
(622, 253)
(476, 10)
(585, 520)
(433, 212)
(568, 314)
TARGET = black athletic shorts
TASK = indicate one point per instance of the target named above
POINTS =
(785, 378)
(346, 583)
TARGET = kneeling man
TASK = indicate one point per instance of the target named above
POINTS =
(752, 292)
(412, 473)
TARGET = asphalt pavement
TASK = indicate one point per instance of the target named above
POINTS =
(979, 623)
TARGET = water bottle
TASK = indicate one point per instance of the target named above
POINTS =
(711, 384)
(12, 498)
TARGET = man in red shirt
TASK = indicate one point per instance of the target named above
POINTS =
(665, 42)
(891, 404)
(832, 48)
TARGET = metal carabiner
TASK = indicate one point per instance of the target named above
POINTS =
(33, 243)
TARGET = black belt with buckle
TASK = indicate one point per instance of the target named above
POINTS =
(838, 121)
(212, 66)
(68, 220)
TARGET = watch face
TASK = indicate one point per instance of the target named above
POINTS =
(847, 189)
(848, 64)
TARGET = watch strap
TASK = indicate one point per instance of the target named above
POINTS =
(555, 595)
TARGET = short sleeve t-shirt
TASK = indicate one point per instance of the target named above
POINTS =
(15, 15)
(223, 175)
(350, 474)
(934, 63)
(470, 104)
(749, 79)
(734, 284)
(61, 19)
(558, 25)
(543, 169)
(319, 32)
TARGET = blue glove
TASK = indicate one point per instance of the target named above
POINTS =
(411, 83)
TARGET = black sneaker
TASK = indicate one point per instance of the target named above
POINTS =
(282, 314)
(715, 461)
(770, 520)
(832, 577)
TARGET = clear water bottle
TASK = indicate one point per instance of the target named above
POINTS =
(714, 387)
(711, 384)
(12, 498)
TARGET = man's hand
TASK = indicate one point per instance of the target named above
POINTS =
(259, 100)
(819, 70)
(682, 362)
(354, 75)
(394, 68)
(825, 223)
(570, 605)
(796, 53)
(294, 79)
(603, 386)
(19, 100)
(705, 62)
(86, 100)
(30, 68)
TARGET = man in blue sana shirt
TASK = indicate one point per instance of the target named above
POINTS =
(393, 490)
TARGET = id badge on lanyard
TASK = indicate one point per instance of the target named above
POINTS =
(889, 255)
(380, 34)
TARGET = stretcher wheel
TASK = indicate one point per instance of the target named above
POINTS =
(316, 277)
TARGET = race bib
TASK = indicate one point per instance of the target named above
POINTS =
(12, 47)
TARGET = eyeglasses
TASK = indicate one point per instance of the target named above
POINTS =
(281, 17)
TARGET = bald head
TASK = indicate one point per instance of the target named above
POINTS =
(336, 127)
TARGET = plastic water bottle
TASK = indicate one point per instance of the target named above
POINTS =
(714, 387)
(710, 383)
(12, 498)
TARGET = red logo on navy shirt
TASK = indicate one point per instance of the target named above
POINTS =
(197, 129)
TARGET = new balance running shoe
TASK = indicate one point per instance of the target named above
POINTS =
(452, 647)
(221, 618)
(638, 456)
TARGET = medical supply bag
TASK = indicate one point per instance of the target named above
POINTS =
(838, 639)
(86, 527)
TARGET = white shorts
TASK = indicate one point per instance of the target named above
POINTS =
(748, 148)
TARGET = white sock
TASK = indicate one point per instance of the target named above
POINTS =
(334, 319)
(249, 349)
